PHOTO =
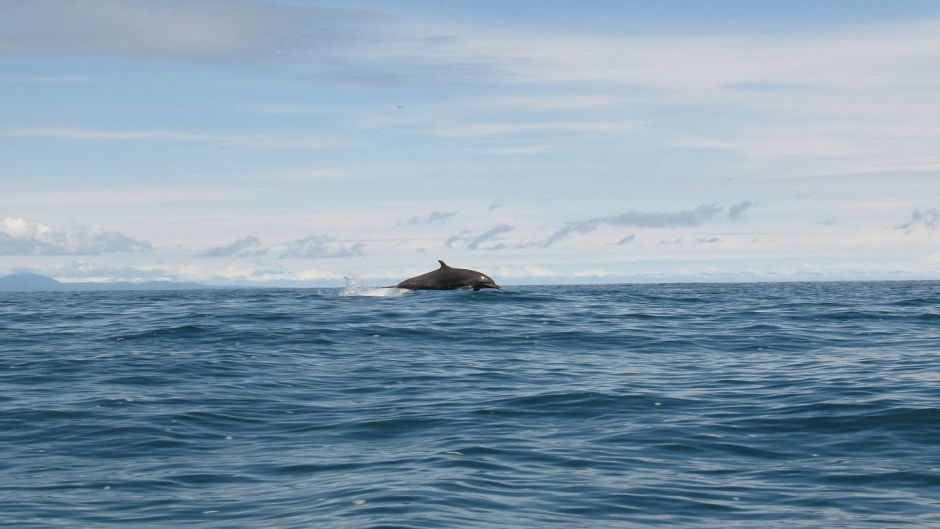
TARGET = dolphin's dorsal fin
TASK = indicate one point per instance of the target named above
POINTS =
(443, 264)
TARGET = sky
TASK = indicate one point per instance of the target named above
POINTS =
(300, 142)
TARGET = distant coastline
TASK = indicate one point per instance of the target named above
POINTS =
(28, 282)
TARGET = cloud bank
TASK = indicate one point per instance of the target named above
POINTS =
(24, 237)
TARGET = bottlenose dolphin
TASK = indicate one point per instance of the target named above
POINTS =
(447, 278)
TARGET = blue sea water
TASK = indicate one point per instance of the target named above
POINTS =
(700, 405)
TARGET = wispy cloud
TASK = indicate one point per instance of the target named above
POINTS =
(213, 29)
(283, 109)
(244, 247)
(627, 240)
(668, 219)
(470, 130)
(563, 233)
(127, 196)
(45, 79)
(928, 218)
(470, 241)
(246, 141)
(322, 246)
(330, 44)
(24, 237)
(436, 217)
(543, 103)
(738, 209)
(640, 219)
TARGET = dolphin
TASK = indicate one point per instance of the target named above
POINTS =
(447, 278)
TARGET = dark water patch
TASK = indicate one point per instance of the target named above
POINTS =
(177, 331)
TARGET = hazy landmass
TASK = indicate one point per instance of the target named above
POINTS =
(26, 282)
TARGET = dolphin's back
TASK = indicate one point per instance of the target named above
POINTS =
(444, 278)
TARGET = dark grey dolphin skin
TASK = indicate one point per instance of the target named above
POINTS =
(447, 278)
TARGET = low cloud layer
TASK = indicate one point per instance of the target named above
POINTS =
(24, 237)
(466, 239)
(244, 247)
(322, 247)
(95, 270)
(436, 217)
(928, 218)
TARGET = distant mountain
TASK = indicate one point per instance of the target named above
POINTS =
(39, 283)
(28, 282)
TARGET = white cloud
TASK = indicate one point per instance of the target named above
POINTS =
(24, 237)
(681, 64)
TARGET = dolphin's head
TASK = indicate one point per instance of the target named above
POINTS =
(484, 281)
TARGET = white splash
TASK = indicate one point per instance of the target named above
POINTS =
(355, 288)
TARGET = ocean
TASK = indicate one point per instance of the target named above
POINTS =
(675, 405)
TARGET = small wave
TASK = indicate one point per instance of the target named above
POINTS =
(568, 404)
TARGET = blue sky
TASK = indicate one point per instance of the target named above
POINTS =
(544, 142)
